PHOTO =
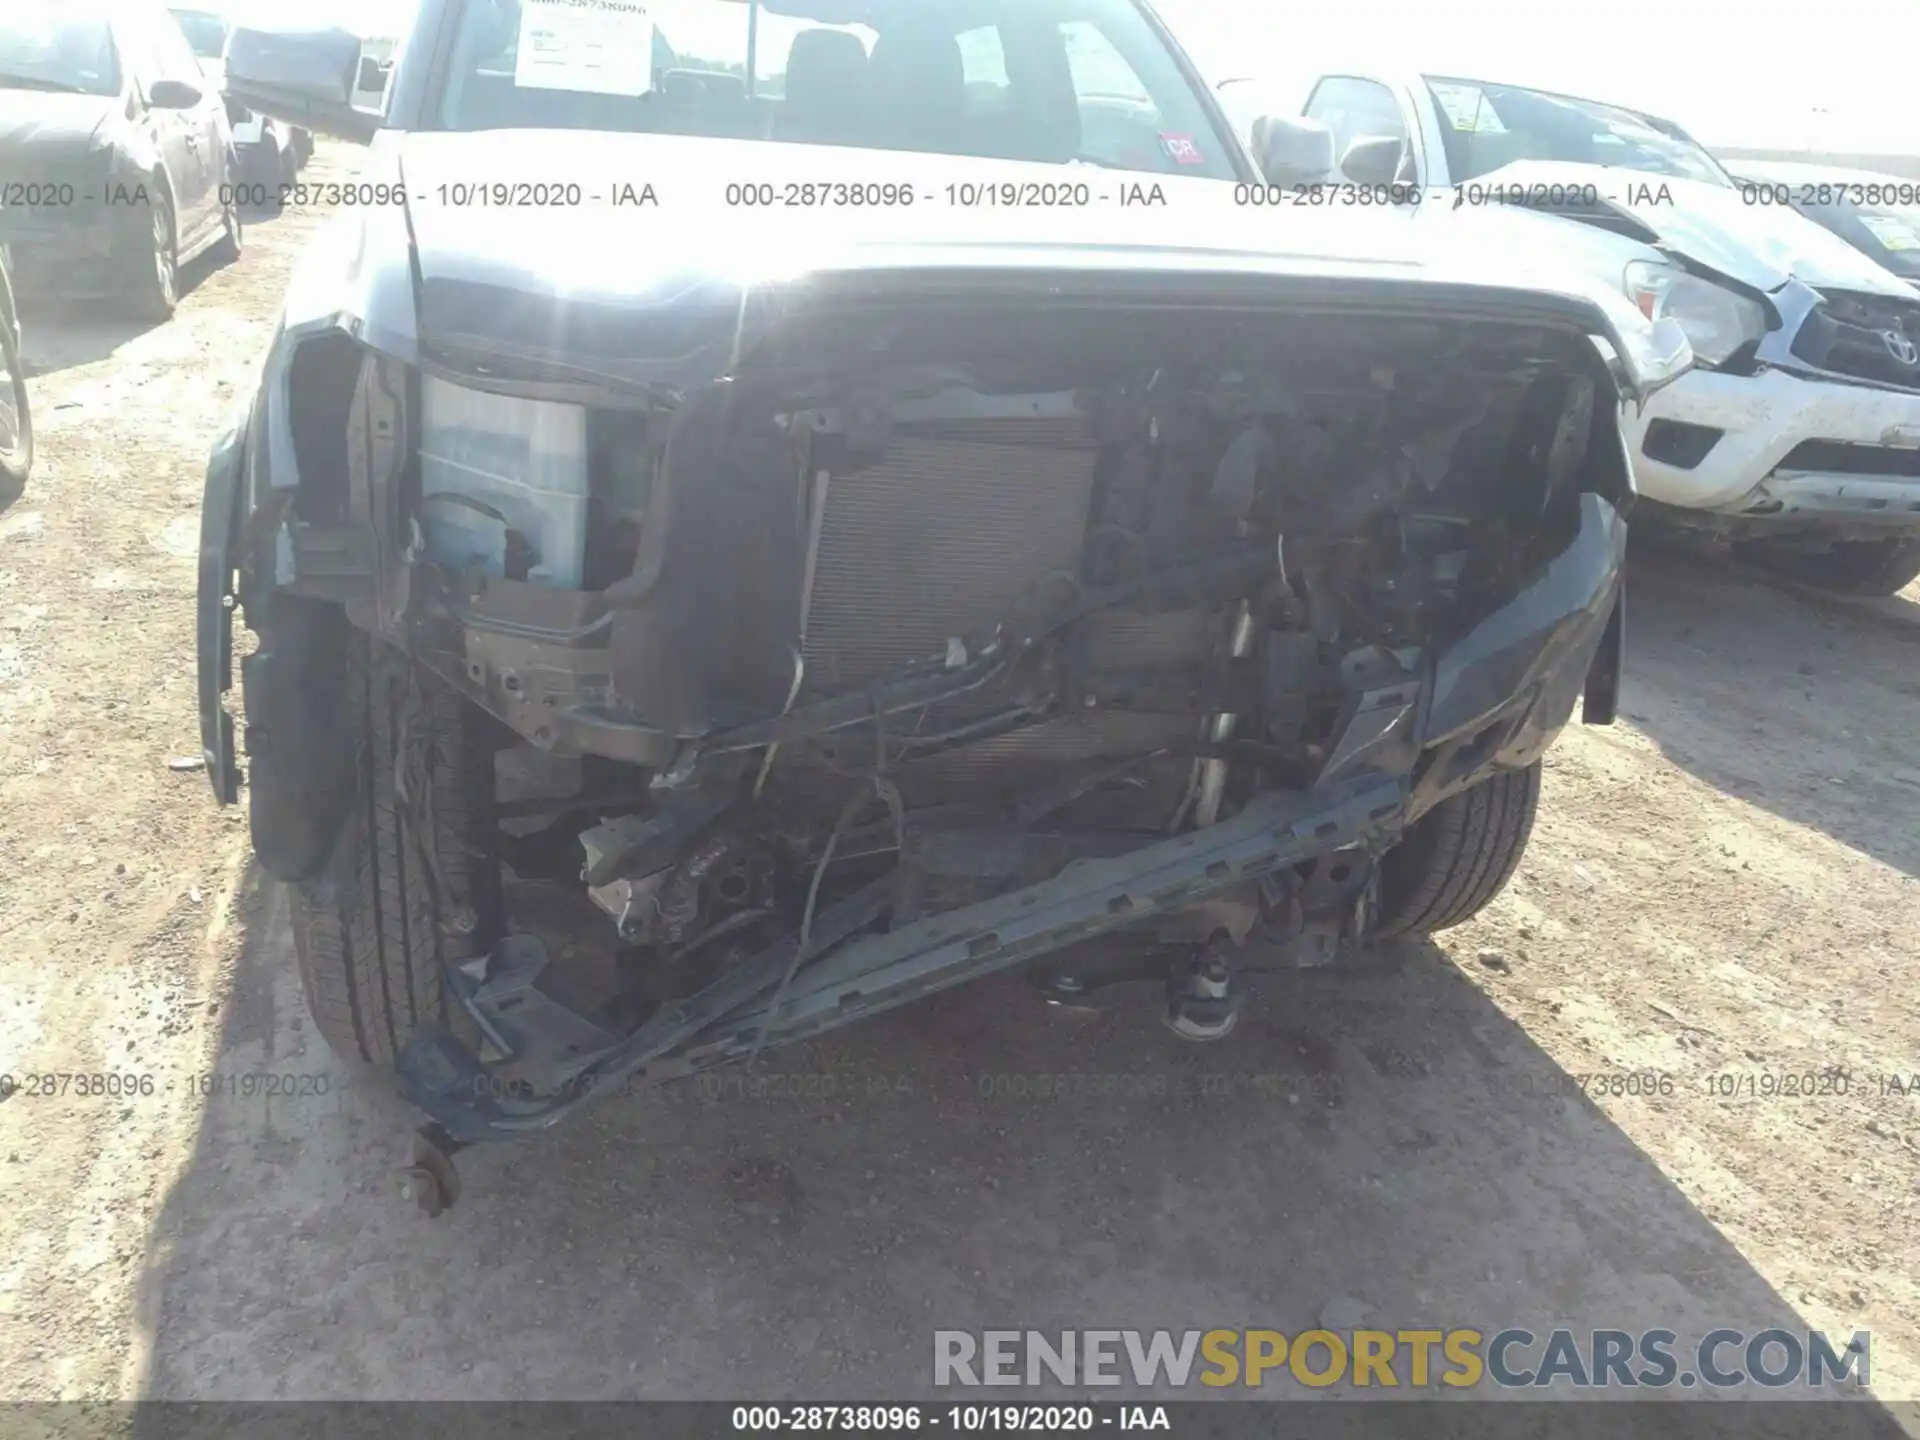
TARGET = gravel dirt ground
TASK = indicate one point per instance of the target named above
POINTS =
(1723, 885)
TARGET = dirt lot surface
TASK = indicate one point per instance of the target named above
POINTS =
(1723, 885)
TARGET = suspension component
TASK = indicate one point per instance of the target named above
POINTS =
(430, 1183)
(1204, 998)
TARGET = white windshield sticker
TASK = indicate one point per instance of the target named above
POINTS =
(602, 47)
(1468, 108)
(1892, 233)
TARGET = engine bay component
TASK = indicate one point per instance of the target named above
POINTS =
(1204, 1000)
(504, 484)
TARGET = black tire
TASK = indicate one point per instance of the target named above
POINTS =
(267, 170)
(153, 260)
(226, 250)
(1459, 855)
(376, 935)
(16, 457)
(1847, 567)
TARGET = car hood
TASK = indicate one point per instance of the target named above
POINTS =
(40, 129)
(1760, 246)
(652, 268)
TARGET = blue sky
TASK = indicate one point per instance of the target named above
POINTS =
(1836, 76)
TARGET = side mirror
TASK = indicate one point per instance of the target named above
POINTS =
(373, 76)
(304, 77)
(1292, 150)
(173, 95)
(1373, 160)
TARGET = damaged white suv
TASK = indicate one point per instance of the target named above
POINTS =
(1797, 434)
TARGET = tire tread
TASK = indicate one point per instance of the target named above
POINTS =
(369, 934)
(1460, 855)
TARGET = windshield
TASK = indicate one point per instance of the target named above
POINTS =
(46, 46)
(1889, 233)
(206, 33)
(1039, 80)
(1485, 127)
(1905, 216)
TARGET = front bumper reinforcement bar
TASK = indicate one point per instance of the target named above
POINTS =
(866, 975)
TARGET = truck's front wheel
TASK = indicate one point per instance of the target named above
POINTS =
(1459, 855)
(413, 886)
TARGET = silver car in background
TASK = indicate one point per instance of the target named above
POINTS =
(271, 151)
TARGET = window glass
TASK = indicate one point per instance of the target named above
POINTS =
(205, 31)
(983, 59)
(1245, 101)
(46, 45)
(1040, 80)
(1119, 123)
(171, 51)
(1485, 127)
(1100, 72)
(1354, 109)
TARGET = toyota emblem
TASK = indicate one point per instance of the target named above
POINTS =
(1900, 347)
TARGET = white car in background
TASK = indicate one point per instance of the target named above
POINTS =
(1797, 434)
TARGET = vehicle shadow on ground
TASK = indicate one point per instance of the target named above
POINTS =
(1384, 1142)
(1901, 611)
(63, 334)
(1799, 703)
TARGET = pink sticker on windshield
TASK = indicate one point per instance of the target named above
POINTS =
(1182, 149)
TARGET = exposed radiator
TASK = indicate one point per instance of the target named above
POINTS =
(949, 536)
(942, 537)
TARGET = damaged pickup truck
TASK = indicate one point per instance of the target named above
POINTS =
(818, 613)
(1796, 436)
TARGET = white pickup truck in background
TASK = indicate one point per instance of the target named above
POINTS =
(1797, 434)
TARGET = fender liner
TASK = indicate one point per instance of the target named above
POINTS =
(220, 502)
(299, 742)
(300, 738)
(1601, 700)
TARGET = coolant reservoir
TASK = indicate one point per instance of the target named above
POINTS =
(503, 483)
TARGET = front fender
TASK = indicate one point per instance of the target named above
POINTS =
(1535, 651)
(1502, 692)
